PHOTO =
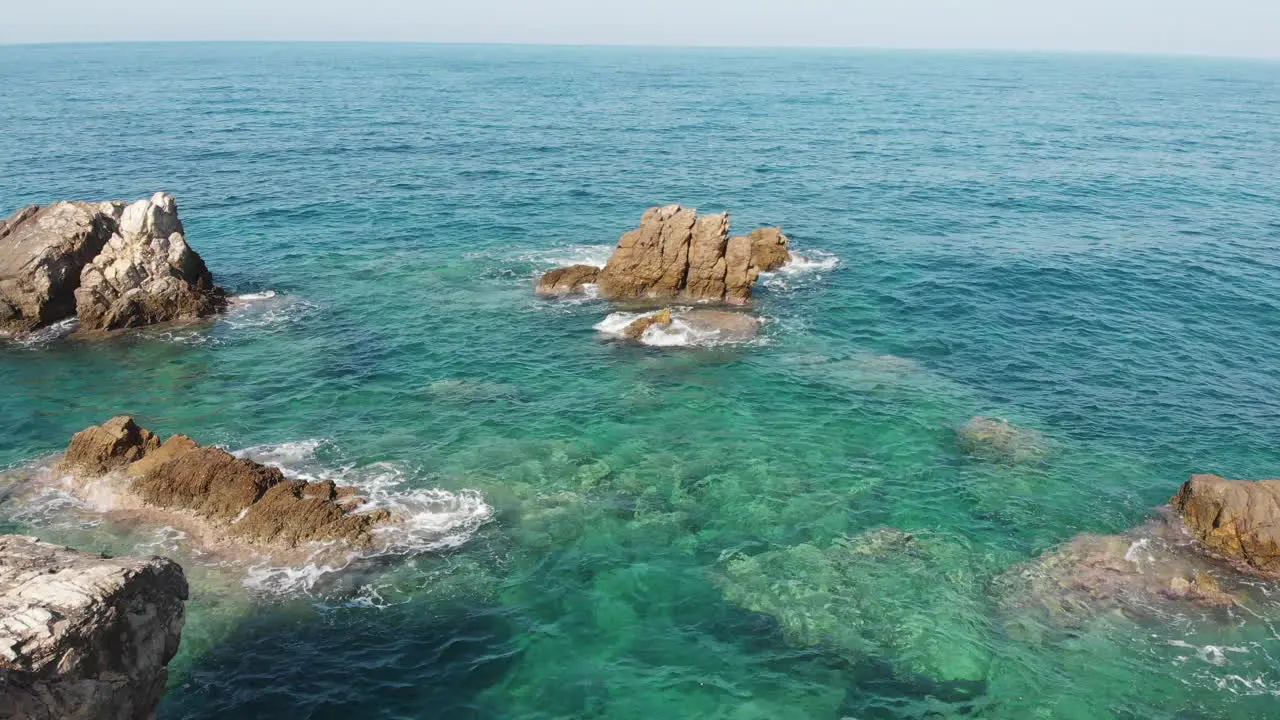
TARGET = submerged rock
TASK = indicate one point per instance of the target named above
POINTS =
(683, 326)
(637, 327)
(113, 265)
(999, 440)
(677, 254)
(912, 600)
(85, 636)
(1146, 573)
(1237, 519)
(567, 280)
(241, 499)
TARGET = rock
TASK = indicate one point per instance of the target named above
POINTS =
(727, 326)
(238, 498)
(85, 636)
(769, 249)
(147, 273)
(1140, 574)
(42, 254)
(999, 440)
(661, 319)
(677, 254)
(567, 280)
(1238, 519)
(112, 445)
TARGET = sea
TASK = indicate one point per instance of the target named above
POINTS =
(1087, 246)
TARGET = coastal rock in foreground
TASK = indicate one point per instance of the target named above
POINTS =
(675, 253)
(1237, 519)
(567, 280)
(42, 254)
(85, 636)
(237, 498)
(114, 265)
(682, 327)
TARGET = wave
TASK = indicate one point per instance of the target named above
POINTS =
(801, 267)
(48, 334)
(429, 519)
(595, 255)
(688, 328)
(266, 309)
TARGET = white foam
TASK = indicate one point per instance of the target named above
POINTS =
(801, 265)
(678, 334)
(594, 255)
(251, 297)
(48, 334)
(429, 519)
(266, 309)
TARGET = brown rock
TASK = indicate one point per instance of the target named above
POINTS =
(172, 448)
(567, 280)
(294, 512)
(727, 326)
(769, 249)
(208, 481)
(633, 331)
(1238, 519)
(999, 440)
(705, 278)
(114, 444)
(740, 274)
(42, 254)
(651, 261)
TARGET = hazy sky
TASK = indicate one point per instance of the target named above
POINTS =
(1217, 27)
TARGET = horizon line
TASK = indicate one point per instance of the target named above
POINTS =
(652, 46)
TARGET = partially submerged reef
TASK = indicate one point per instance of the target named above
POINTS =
(218, 496)
(111, 265)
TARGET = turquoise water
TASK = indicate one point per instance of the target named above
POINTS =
(1084, 245)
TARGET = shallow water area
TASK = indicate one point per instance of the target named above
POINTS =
(1082, 245)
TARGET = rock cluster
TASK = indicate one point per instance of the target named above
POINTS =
(113, 265)
(1236, 519)
(245, 500)
(85, 636)
(675, 253)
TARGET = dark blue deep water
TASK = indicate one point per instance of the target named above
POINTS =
(1088, 246)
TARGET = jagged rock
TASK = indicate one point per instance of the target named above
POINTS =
(662, 319)
(85, 637)
(999, 440)
(567, 280)
(677, 254)
(242, 499)
(109, 446)
(1238, 519)
(146, 273)
(42, 254)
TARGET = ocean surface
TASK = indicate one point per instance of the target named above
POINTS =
(1088, 246)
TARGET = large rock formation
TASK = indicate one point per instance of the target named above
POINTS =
(85, 637)
(241, 499)
(1237, 519)
(675, 253)
(114, 265)
(42, 254)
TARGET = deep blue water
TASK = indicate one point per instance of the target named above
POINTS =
(1087, 245)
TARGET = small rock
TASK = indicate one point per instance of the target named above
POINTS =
(1238, 519)
(567, 280)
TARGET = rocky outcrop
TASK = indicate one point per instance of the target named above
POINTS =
(113, 265)
(147, 273)
(43, 252)
(1237, 519)
(85, 637)
(567, 280)
(677, 254)
(682, 326)
(661, 319)
(242, 500)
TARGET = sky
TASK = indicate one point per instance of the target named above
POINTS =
(1198, 27)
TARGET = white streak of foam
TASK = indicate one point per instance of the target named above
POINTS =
(429, 519)
(595, 255)
(811, 262)
(677, 334)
